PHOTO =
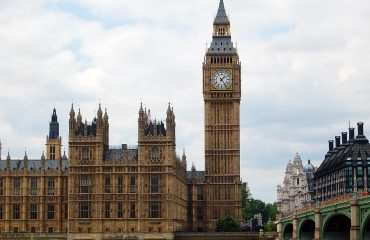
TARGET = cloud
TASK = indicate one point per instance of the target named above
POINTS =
(304, 73)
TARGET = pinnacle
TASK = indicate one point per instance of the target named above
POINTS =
(221, 17)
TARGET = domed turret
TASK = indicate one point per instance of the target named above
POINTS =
(309, 167)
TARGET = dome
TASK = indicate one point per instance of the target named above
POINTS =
(308, 167)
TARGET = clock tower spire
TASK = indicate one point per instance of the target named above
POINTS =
(222, 94)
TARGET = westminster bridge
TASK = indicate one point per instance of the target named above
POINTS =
(343, 218)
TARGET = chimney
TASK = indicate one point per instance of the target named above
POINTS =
(360, 128)
(331, 145)
(344, 137)
(337, 141)
(351, 134)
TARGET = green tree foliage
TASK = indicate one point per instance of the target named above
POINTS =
(270, 227)
(253, 206)
(272, 210)
(227, 224)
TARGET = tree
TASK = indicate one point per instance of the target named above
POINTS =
(252, 207)
(270, 227)
(272, 210)
(245, 197)
(227, 224)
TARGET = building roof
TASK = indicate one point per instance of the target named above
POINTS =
(35, 164)
(355, 149)
(221, 17)
(196, 174)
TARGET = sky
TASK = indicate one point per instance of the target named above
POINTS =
(305, 73)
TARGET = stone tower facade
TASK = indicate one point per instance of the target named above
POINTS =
(222, 93)
(125, 190)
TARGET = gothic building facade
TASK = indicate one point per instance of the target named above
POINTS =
(297, 190)
(144, 191)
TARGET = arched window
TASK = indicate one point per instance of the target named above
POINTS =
(85, 154)
(155, 154)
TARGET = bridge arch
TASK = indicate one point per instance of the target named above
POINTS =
(307, 230)
(365, 227)
(337, 227)
(288, 231)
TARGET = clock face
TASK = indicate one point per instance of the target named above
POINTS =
(221, 79)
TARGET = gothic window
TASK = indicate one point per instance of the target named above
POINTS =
(154, 184)
(107, 210)
(154, 209)
(1, 186)
(200, 193)
(51, 186)
(66, 211)
(85, 184)
(119, 210)
(33, 186)
(155, 154)
(133, 184)
(200, 214)
(85, 154)
(51, 211)
(107, 184)
(17, 187)
(132, 210)
(33, 211)
(65, 186)
(1, 211)
(120, 184)
(52, 152)
(16, 211)
(84, 210)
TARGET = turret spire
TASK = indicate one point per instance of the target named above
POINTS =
(54, 125)
(221, 17)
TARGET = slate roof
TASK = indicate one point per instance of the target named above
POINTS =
(18, 165)
(198, 174)
(221, 17)
(354, 150)
(122, 154)
(222, 45)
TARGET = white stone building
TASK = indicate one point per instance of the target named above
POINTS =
(297, 189)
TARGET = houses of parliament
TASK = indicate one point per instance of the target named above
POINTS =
(136, 192)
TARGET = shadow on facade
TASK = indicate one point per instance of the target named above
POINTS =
(307, 231)
(288, 232)
(337, 228)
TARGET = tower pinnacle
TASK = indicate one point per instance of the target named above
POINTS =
(221, 17)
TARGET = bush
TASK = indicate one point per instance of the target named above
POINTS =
(227, 224)
(269, 227)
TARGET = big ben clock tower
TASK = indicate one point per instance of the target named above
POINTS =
(222, 92)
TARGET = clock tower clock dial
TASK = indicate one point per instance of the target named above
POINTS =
(222, 93)
(221, 79)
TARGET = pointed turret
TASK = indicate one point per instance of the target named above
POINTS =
(43, 161)
(79, 117)
(54, 125)
(221, 17)
(8, 159)
(100, 112)
(106, 115)
(72, 120)
(25, 161)
(221, 40)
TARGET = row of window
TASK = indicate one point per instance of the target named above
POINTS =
(85, 185)
(17, 189)
(33, 211)
(85, 210)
